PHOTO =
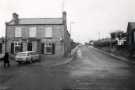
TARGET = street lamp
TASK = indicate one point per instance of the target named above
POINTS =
(71, 23)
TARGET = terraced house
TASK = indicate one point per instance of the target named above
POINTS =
(46, 35)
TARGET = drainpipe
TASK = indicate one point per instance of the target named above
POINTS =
(6, 37)
(64, 14)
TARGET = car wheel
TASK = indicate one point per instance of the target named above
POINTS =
(39, 59)
(31, 60)
(19, 62)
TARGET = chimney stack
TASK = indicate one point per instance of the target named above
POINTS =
(64, 17)
(15, 18)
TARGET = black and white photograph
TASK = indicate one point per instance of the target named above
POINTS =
(67, 45)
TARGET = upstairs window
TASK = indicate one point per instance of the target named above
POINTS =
(18, 32)
(48, 32)
(32, 32)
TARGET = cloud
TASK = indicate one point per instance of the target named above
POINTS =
(90, 16)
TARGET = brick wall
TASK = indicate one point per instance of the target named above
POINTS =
(58, 31)
(58, 35)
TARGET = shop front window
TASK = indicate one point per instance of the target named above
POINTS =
(18, 47)
(49, 48)
(29, 47)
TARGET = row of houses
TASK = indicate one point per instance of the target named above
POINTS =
(120, 39)
(131, 37)
(125, 38)
(49, 36)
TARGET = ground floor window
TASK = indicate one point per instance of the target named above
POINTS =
(29, 46)
(48, 48)
(16, 47)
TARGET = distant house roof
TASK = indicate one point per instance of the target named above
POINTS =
(31, 21)
(131, 26)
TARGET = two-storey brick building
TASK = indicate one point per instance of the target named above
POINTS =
(47, 35)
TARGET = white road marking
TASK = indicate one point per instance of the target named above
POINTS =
(79, 53)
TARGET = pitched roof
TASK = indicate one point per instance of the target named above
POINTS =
(39, 21)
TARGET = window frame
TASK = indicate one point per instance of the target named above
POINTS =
(32, 32)
(18, 32)
(48, 32)
(50, 46)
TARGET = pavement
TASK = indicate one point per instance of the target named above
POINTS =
(118, 57)
(47, 61)
(55, 61)
(94, 70)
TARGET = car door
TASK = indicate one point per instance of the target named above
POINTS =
(36, 56)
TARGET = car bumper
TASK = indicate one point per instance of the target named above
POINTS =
(21, 59)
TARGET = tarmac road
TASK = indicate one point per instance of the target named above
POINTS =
(89, 70)
(94, 70)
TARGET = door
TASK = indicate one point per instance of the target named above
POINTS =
(42, 48)
(29, 46)
(12, 48)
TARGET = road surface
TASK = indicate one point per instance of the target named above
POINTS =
(89, 70)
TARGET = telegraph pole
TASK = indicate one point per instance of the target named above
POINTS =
(6, 38)
(98, 35)
(63, 5)
(71, 23)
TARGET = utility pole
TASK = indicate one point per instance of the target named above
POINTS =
(71, 23)
(6, 38)
(63, 5)
(98, 35)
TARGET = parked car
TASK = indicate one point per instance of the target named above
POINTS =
(28, 56)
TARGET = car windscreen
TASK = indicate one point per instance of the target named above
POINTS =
(21, 54)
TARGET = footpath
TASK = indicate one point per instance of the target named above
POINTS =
(54, 61)
(118, 57)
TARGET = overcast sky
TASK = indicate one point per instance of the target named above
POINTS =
(90, 19)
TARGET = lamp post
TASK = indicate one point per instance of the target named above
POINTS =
(70, 34)
(71, 23)
(63, 5)
(98, 35)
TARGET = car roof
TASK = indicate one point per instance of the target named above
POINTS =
(27, 52)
